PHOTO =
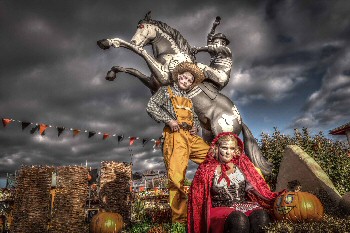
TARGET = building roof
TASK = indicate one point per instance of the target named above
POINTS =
(341, 130)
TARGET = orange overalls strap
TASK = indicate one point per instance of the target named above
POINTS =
(182, 107)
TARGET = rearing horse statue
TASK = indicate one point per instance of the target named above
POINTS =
(216, 112)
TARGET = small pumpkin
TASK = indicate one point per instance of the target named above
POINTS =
(106, 222)
(298, 206)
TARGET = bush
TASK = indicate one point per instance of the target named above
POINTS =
(331, 155)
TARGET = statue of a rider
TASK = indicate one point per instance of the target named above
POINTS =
(221, 56)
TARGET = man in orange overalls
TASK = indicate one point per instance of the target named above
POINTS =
(171, 105)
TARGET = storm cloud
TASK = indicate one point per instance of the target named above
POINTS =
(291, 69)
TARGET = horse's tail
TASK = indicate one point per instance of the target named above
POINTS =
(253, 151)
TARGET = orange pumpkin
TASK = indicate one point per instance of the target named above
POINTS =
(297, 206)
(106, 222)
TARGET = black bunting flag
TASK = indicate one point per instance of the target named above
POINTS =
(60, 130)
(120, 138)
(144, 141)
(34, 129)
(91, 134)
(25, 125)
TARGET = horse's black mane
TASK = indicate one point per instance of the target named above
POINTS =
(173, 33)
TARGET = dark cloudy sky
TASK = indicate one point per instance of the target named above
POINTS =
(291, 69)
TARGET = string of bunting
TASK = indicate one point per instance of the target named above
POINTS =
(41, 128)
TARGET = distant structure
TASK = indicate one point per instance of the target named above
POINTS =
(342, 130)
(150, 180)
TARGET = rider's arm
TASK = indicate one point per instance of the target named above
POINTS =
(210, 38)
(224, 51)
(202, 49)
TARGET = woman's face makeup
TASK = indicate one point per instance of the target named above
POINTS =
(227, 150)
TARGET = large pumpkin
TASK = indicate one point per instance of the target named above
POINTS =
(297, 206)
(106, 222)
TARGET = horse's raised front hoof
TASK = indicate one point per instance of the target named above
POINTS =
(103, 44)
(111, 75)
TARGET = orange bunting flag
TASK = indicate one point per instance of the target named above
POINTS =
(75, 132)
(6, 121)
(42, 128)
(157, 143)
(132, 140)
(105, 136)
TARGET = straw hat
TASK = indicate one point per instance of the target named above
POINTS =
(191, 68)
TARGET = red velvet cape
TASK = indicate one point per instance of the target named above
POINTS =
(199, 201)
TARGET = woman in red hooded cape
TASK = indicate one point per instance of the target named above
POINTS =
(209, 211)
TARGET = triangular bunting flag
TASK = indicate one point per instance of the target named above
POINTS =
(34, 129)
(25, 125)
(75, 132)
(60, 130)
(105, 136)
(144, 141)
(42, 128)
(6, 121)
(120, 138)
(157, 144)
(132, 140)
(91, 134)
